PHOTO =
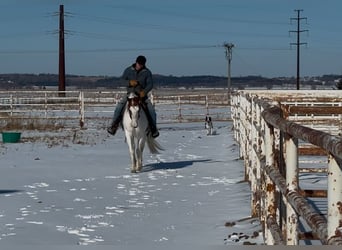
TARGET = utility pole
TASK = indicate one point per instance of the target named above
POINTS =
(298, 43)
(61, 85)
(229, 53)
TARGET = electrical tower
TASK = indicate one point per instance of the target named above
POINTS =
(298, 43)
(61, 85)
(229, 54)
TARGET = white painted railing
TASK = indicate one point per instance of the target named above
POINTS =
(275, 146)
(94, 109)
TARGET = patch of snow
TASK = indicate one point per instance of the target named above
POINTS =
(84, 194)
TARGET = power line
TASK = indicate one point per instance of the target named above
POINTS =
(298, 43)
(229, 55)
(166, 27)
(182, 47)
(61, 66)
(105, 50)
(164, 12)
(263, 48)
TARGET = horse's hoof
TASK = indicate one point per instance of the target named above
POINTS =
(133, 171)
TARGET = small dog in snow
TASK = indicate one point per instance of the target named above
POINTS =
(209, 125)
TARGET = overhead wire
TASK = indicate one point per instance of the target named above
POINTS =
(164, 11)
(166, 27)
(116, 21)
(171, 28)
(105, 50)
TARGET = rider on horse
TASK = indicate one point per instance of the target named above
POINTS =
(140, 81)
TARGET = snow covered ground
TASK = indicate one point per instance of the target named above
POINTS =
(77, 189)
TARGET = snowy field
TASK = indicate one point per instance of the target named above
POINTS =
(77, 190)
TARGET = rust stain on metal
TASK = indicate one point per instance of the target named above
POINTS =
(275, 230)
(255, 210)
(313, 170)
(307, 236)
(270, 187)
(312, 151)
(335, 240)
(339, 207)
(272, 209)
(294, 182)
(293, 219)
(315, 110)
(313, 193)
(295, 98)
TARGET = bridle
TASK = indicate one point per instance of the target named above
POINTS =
(133, 101)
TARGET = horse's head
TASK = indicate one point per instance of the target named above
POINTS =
(133, 99)
(133, 105)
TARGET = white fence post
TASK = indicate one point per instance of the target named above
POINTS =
(270, 188)
(291, 160)
(236, 115)
(255, 155)
(334, 196)
(81, 108)
(45, 104)
(11, 104)
(179, 109)
(247, 137)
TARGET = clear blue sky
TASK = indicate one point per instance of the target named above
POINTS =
(177, 37)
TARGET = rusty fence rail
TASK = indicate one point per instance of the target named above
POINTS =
(49, 110)
(275, 142)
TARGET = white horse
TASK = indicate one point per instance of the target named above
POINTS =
(137, 132)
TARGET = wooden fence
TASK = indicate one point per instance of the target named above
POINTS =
(291, 145)
(50, 110)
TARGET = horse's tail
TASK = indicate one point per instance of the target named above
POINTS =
(153, 145)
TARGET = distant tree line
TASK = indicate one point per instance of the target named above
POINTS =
(15, 81)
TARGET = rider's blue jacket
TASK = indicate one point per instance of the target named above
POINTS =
(143, 76)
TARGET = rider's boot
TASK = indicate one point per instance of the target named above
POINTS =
(118, 114)
(154, 131)
(113, 127)
(151, 121)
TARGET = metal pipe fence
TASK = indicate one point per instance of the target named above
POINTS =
(278, 136)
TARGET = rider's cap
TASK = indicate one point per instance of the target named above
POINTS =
(141, 60)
